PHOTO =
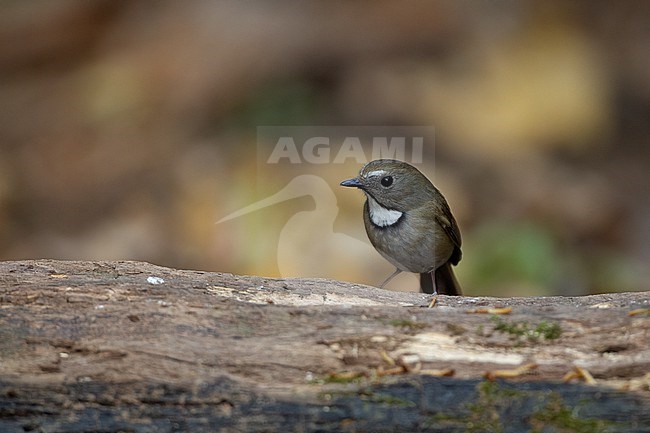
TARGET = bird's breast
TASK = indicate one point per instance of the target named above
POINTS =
(412, 243)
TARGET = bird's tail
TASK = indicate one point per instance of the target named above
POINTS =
(446, 283)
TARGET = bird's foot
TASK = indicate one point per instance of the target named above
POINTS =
(433, 301)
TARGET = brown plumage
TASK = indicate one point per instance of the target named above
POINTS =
(409, 223)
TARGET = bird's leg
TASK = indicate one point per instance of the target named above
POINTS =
(433, 283)
(435, 290)
(390, 277)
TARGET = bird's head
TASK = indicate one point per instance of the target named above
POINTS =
(393, 184)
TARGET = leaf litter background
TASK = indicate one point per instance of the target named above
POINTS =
(127, 129)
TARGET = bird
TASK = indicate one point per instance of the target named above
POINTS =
(409, 222)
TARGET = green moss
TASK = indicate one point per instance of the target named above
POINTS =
(549, 331)
(555, 413)
(484, 414)
(522, 329)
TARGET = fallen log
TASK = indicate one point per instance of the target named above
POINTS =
(130, 346)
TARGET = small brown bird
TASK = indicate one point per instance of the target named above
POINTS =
(409, 223)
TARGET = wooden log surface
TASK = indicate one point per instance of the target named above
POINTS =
(130, 346)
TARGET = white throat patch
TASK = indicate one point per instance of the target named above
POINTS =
(381, 216)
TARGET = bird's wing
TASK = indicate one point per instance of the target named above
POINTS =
(450, 227)
(448, 224)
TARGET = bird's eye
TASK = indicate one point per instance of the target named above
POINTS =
(387, 181)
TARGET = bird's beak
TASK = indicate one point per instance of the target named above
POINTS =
(352, 183)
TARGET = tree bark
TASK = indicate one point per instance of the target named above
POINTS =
(129, 346)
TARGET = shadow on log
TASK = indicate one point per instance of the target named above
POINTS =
(129, 346)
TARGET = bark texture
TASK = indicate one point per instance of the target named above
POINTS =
(129, 346)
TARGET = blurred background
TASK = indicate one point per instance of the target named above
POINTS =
(128, 129)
